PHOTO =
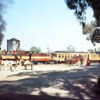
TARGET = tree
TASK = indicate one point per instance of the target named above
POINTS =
(89, 27)
(48, 50)
(35, 50)
(90, 50)
(71, 48)
(98, 49)
(80, 6)
(88, 30)
(94, 50)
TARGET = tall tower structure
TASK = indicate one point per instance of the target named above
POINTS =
(13, 44)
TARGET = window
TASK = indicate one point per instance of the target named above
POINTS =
(59, 56)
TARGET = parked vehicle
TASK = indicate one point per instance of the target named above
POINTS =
(56, 57)
(35, 58)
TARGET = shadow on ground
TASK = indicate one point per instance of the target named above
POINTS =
(74, 84)
(11, 96)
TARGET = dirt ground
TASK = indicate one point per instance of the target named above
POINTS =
(49, 82)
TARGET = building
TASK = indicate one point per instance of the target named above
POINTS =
(65, 55)
(13, 44)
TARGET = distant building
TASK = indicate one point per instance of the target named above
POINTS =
(62, 55)
(13, 44)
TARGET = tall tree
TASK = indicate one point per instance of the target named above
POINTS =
(80, 7)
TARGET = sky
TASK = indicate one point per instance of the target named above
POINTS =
(45, 24)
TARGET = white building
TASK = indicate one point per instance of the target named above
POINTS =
(13, 44)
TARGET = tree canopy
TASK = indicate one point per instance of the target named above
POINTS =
(88, 30)
(80, 7)
(71, 48)
(89, 27)
(35, 50)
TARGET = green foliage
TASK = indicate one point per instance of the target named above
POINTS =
(71, 48)
(91, 50)
(94, 50)
(88, 30)
(89, 27)
(35, 50)
(98, 49)
(80, 6)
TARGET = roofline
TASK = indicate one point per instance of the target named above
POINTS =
(13, 39)
(68, 52)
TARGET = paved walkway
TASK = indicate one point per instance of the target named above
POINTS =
(49, 82)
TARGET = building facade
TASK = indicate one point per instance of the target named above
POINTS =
(64, 55)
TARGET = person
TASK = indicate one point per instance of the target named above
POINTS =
(34, 61)
(22, 62)
(81, 60)
(65, 60)
(88, 62)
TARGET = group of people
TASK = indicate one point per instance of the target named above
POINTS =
(13, 64)
(77, 60)
(9, 64)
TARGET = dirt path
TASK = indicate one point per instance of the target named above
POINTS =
(49, 82)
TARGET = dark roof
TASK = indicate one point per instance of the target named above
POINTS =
(14, 39)
(61, 51)
(69, 52)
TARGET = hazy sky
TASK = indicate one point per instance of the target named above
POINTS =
(44, 23)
